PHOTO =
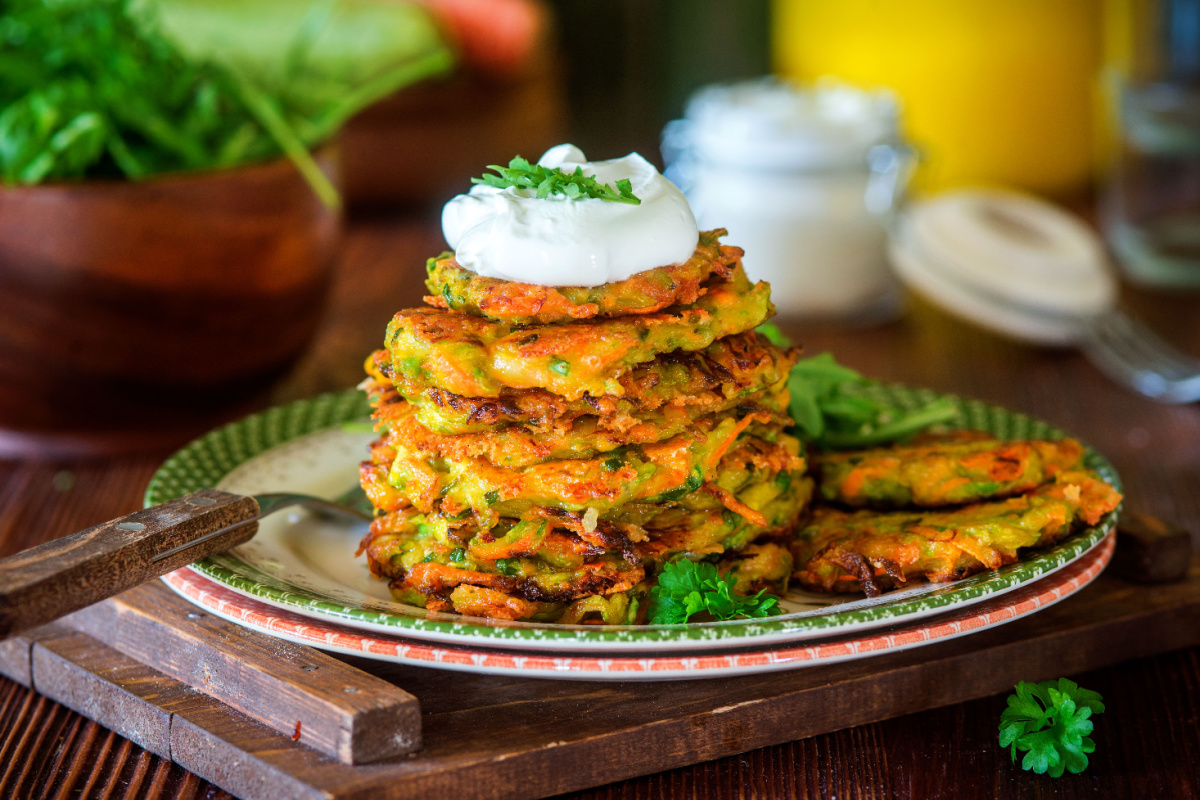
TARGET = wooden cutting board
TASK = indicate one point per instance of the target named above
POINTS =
(221, 700)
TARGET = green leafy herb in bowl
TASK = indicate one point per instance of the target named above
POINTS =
(159, 242)
(99, 89)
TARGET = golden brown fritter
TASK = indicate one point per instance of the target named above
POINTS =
(515, 446)
(458, 289)
(868, 550)
(557, 565)
(658, 472)
(953, 471)
(735, 369)
(476, 357)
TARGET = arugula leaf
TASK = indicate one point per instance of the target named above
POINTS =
(552, 180)
(832, 407)
(687, 587)
(773, 335)
(1050, 722)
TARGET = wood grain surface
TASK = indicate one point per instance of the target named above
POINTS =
(62, 575)
(294, 689)
(1148, 743)
(505, 738)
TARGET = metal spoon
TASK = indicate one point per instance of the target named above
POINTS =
(56, 578)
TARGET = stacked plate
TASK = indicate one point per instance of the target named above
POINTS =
(299, 578)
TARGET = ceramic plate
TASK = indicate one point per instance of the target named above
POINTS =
(307, 565)
(327, 635)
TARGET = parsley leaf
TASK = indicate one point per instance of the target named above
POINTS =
(1050, 722)
(689, 587)
(552, 180)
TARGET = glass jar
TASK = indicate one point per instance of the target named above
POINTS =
(1151, 206)
(805, 180)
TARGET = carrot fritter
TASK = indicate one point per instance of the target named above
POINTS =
(942, 473)
(657, 472)
(557, 565)
(513, 446)
(476, 357)
(753, 475)
(721, 376)
(458, 289)
(763, 565)
(867, 550)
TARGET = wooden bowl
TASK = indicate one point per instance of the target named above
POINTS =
(459, 123)
(133, 306)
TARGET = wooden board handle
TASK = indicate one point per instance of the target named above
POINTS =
(49, 581)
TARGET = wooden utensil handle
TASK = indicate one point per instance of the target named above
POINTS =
(51, 580)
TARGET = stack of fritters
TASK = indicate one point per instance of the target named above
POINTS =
(942, 508)
(544, 450)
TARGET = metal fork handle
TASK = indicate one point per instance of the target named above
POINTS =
(1134, 356)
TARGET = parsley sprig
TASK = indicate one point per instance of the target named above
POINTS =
(552, 180)
(832, 405)
(691, 587)
(1049, 722)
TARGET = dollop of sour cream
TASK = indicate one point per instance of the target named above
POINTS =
(513, 235)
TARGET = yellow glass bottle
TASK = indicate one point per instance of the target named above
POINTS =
(994, 92)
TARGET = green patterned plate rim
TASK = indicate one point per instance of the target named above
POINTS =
(205, 461)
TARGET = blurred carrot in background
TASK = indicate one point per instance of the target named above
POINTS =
(496, 37)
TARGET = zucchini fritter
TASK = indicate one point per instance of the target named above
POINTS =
(476, 357)
(867, 550)
(658, 472)
(725, 374)
(960, 469)
(556, 565)
(513, 446)
(455, 288)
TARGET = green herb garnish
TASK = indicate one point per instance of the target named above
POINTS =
(773, 335)
(559, 365)
(552, 180)
(690, 587)
(1049, 722)
(831, 406)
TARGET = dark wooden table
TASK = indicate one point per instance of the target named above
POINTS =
(1148, 743)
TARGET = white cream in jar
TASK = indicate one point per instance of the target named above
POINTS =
(805, 180)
